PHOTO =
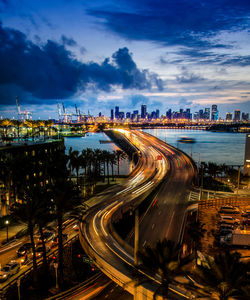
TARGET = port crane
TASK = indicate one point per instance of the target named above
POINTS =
(22, 115)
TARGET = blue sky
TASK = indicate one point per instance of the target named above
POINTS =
(98, 54)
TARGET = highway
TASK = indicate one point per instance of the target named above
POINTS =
(159, 163)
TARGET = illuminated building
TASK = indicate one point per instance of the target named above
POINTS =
(143, 111)
(215, 113)
(229, 116)
(237, 115)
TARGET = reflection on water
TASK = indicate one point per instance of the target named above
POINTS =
(218, 147)
(91, 140)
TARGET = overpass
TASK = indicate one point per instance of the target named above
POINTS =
(161, 167)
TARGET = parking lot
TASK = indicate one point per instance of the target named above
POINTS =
(217, 225)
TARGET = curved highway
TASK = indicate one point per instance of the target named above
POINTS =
(161, 166)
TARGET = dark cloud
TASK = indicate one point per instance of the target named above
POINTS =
(68, 41)
(201, 57)
(179, 22)
(51, 71)
(187, 77)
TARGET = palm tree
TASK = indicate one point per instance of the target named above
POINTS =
(163, 259)
(106, 157)
(64, 199)
(224, 275)
(27, 212)
(75, 162)
(196, 231)
(119, 156)
(6, 123)
(18, 124)
(112, 162)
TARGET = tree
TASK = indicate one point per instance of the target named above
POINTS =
(119, 156)
(224, 275)
(75, 161)
(106, 157)
(65, 198)
(196, 231)
(163, 259)
(27, 212)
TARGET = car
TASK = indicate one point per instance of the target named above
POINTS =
(48, 236)
(9, 270)
(224, 232)
(76, 227)
(229, 209)
(229, 220)
(55, 240)
(246, 222)
(226, 227)
(24, 249)
(246, 212)
(39, 251)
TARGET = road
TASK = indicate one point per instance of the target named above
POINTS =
(159, 162)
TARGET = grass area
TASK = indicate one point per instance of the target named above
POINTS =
(210, 183)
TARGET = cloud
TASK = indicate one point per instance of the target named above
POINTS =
(68, 41)
(187, 77)
(51, 71)
(138, 100)
(180, 22)
(185, 102)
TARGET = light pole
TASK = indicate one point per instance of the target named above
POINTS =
(7, 229)
(238, 182)
(56, 269)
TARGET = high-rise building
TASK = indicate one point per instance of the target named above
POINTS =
(143, 111)
(237, 115)
(207, 113)
(229, 116)
(128, 115)
(201, 114)
(215, 113)
(169, 114)
(135, 115)
(112, 114)
(157, 114)
(121, 115)
(245, 117)
(117, 112)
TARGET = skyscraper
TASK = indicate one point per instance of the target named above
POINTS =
(215, 113)
(237, 115)
(117, 112)
(169, 114)
(207, 113)
(157, 114)
(229, 116)
(245, 117)
(112, 115)
(143, 111)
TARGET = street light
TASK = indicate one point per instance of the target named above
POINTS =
(7, 229)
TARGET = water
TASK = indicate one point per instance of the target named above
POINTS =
(218, 147)
(91, 140)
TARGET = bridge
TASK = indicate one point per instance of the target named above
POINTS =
(163, 169)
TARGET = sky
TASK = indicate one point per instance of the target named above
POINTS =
(102, 54)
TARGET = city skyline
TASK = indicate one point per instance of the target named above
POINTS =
(92, 54)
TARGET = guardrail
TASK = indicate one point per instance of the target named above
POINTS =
(218, 202)
(25, 273)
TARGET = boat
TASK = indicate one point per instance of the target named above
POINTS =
(186, 140)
